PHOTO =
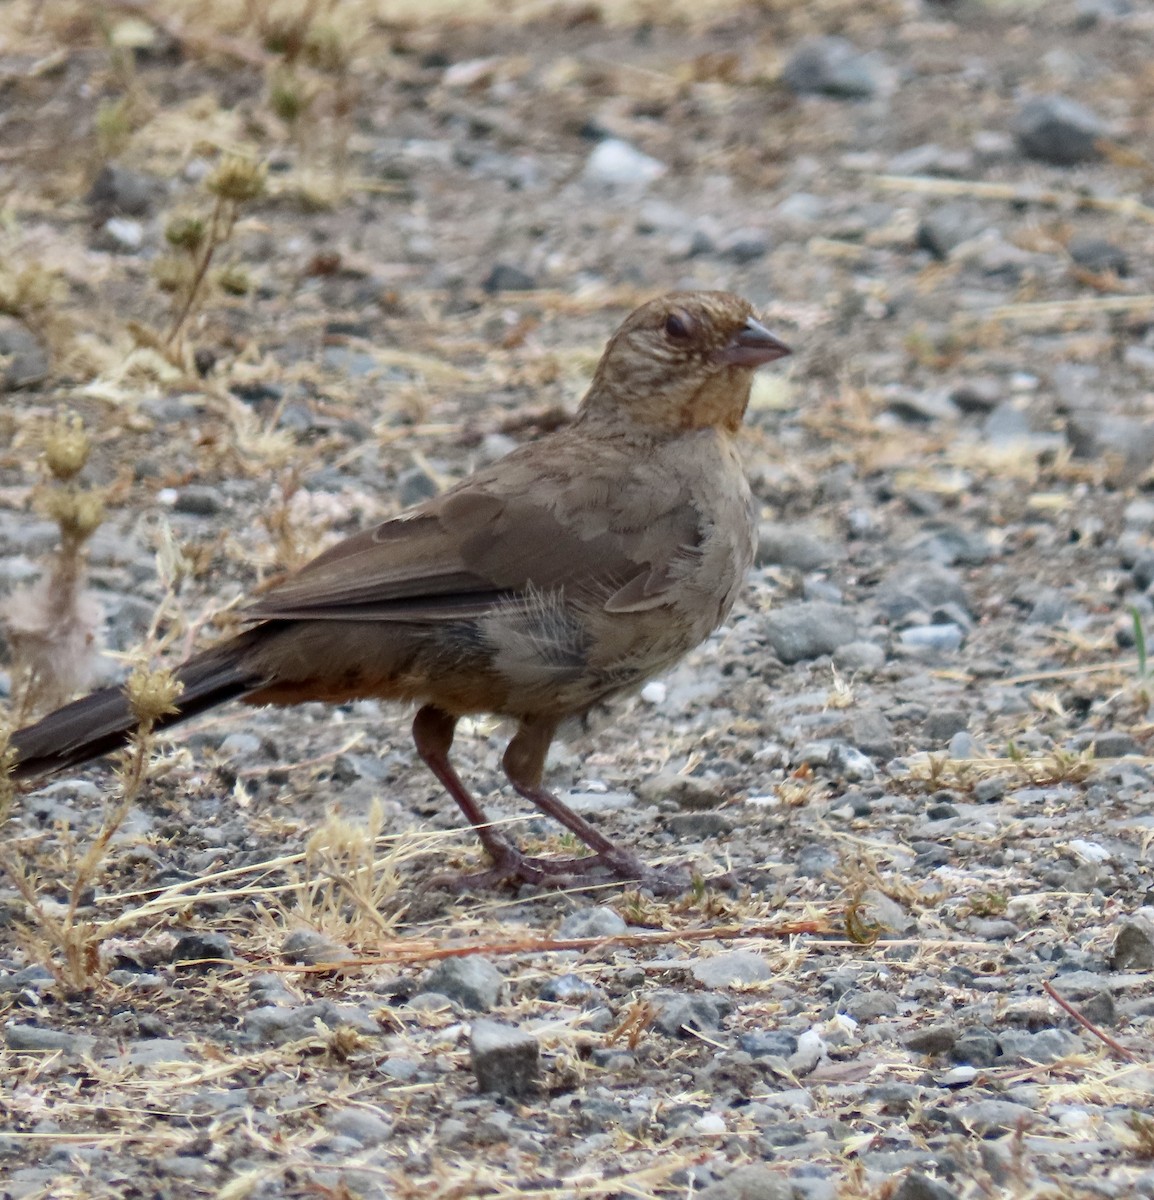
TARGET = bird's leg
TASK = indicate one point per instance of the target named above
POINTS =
(524, 764)
(433, 737)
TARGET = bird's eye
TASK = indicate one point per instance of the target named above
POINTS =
(679, 327)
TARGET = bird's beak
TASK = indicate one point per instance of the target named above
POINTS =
(752, 347)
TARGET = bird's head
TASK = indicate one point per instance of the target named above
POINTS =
(683, 361)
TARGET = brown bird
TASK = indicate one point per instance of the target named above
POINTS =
(576, 567)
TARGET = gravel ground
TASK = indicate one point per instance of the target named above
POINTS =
(914, 771)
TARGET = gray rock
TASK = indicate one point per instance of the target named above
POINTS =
(980, 395)
(1112, 744)
(700, 824)
(505, 1060)
(768, 1043)
(978, 1047)
(35, 1038)
(807, 630)
(932, 1039)
(676, 1012)
(241, 747)
(926, 589)
(732, 968)
(472, 982)
(199, 500)
(944, 638)
(1098, 255)
(1045, 1046)
(313, 948)
(989, 1118)
(781, 543)
(686, 791)
(505, 278)
(832, 66)
(917, 1186)
(414, 485)
(150, 1051)
(1055, 129)
(744, 245)
(571, 989)
(202, 945)
(1133, 948)
(27, 363)
(868, 1006)
(617, 164)
(948, 226)
(592, 923)
(814, 860)
(120, 191)
(363, 1126)
(757, 1181)
(872, 733)
(943, 723)
(863, 657)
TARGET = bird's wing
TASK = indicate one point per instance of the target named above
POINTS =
(459, 555)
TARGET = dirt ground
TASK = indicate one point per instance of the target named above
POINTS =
(913, 773)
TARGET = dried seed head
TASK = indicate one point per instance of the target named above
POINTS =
(234, 280)
(77, 513)
(287, 97)
(327, 49)
(185, 233)
(152, 692)
(172, 273)
(237, 179)
(66, 448)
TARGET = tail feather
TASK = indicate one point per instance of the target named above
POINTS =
(104, 721)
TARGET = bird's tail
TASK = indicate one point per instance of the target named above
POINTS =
(104, 721)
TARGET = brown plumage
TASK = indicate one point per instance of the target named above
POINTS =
(576, 567)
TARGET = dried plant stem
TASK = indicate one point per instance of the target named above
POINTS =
(1015, 193)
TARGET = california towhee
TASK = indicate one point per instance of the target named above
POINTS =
(578, 566)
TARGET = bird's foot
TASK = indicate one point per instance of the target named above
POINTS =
(511, 866)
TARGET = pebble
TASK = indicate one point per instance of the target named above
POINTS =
(120, 235)
(201, 945)
(756, 1181)
(506, 278)
(943, 723)
(735, 968)
(675, 1012)
(473, 982)
(917, 1186)
(771, 1043)
(505, 1060)
(789, 545)
(989, 1118)
(976, 1047)
(1098, 255)
(946, 227)
(38, 1039)
(365, 1128)
(571, 989)
(832, 66)
(859, 657)
(684, 791)
(1057, 130)
(616, 164)
(945, 638)
(592, 923)
(27, 362)
(801, 631)
(313, 948)
(1045, 1046)
(932, 1039)
(120, 191)
(1133, 948)
(199, 500)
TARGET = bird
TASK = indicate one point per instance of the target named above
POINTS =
(576, 567)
